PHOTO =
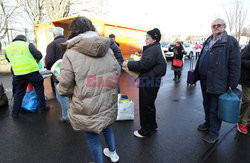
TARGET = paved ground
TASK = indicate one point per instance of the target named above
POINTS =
(41, 138)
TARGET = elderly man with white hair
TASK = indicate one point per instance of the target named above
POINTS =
(54, 53)
(218, 69)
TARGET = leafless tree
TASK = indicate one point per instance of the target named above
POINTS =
(57, 9)
(236, 18)
(246, 32)
(35, 9)
(230, 20)
(6, 12)
(42, 10)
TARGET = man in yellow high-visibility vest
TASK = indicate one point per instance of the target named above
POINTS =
(23, 58)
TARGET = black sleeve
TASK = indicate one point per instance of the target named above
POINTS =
(117, 44)
(181, 56)
(50, 57)
(245, 59)
(11, 70)
(145, 64)
(183, 53)
(234, 63)
(7, 58)
(117, 52)
(36, 53)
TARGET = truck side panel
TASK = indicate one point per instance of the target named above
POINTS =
(130, 40)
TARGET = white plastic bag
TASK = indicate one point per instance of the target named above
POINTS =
(125, 109)
(56, 68)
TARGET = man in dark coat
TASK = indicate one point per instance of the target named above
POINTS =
(117, 52)
(54, 53)
(245, 82)
(151, 67)
(112, 36)
(218, 69)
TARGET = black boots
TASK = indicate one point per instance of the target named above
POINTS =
(177, 77)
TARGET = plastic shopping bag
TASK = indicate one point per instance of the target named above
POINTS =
(30, 101)
(125, 108)
(56, 68)
(229, 106)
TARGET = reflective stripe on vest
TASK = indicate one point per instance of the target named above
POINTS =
(21, 60)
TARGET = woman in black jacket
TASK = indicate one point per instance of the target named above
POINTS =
(178, 51)
(151, 67)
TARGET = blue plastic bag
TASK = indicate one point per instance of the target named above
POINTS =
(229, 106)
(30, 101)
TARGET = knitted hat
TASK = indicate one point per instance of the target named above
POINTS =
(155, 34)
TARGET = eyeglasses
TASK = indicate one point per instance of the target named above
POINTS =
(217, 25)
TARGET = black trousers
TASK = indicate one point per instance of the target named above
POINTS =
(20, 83)
(177, 73)
(197, 54)
(147, 96)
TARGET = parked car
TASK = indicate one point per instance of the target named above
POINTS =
(242, 47)
(165, 48)
(187, 47)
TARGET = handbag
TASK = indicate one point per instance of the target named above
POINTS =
(177, 62)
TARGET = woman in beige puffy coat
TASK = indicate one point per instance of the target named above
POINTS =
(89, 77)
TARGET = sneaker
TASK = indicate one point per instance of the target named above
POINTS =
(112, 155)
(241, 128)
(203, 127)
(210, 139)
(137, 134)
(155, 129)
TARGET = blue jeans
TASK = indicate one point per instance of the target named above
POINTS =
(63, 100)
(95, 145)
(210, 104)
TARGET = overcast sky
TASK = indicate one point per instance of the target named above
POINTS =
(172, 17)
(188, 17)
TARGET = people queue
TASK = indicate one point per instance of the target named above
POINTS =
(93, 109)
